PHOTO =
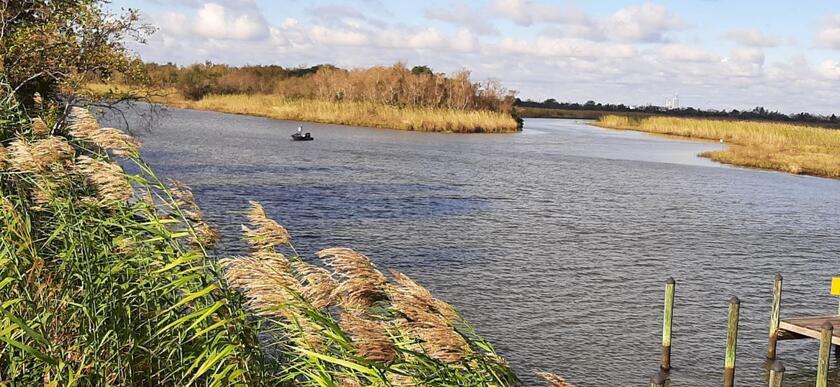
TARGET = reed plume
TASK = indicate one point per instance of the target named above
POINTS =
(266, 281)
(84, 126)
(554, 380)
(360, 283)
(370, 337)
(39, 127)
(267, 233)
(4, 155)
(428, 319)
(106, 178)
(184, 200)
(47, 155)
(422, 297)
(318, 285)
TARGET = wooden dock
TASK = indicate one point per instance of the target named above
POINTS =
(808, 327)
(820, 328)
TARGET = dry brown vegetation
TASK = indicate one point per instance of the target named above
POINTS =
(388, 97)
(783, 147)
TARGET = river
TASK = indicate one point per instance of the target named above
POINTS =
(555, 242)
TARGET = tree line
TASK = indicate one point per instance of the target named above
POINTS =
(396, 85)
(757, 114)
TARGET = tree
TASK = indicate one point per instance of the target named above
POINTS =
(418, 70)
(46, 45)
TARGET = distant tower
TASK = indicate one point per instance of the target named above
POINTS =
(673, 102)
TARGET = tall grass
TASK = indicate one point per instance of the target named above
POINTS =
(105, 277)
(108, 278)
(778, 146)
(369, 114)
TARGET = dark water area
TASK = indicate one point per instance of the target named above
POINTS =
(555, 242)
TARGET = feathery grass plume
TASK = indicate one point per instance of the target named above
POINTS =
(554, 380)
(428, 319)
(48, 155)
(267, 233)
(3, 156)
(370, 337)
(318, 285)
(205, 234)
(82, 123)
(348, 382)
(107, 178)
(39, 127)
(397, 380)
(423, 297)
(85, 127)
(361, 284)
(266, 281)
(440, 342)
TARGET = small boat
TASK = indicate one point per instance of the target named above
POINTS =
(302, 137)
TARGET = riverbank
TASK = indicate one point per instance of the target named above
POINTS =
(368, 114)
(796, 149)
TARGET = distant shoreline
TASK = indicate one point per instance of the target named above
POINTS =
(784, 147)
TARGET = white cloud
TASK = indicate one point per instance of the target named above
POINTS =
(215, 21)
(830, 70)
(566, 48)
(643, 23)
(829, 34)
(527, 12)
(339, 37)
(463, 15)
(464, 41)
(686, 53)
(752, 38)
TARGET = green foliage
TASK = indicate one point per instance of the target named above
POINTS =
(47, 44)
(103, 292)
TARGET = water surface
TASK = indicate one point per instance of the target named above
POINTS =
(555, 242)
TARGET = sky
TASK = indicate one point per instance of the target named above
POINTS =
(717, 54)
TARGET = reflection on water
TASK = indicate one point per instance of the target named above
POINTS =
(555, 242)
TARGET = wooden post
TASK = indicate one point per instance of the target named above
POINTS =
(825, 349)
(731, 341)
(667, 319)
(774, 318)
(658, 379)
(777, 374)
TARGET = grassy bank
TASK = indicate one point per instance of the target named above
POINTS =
(368, 114)
(783, 147)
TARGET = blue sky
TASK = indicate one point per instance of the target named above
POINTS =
(716, 54)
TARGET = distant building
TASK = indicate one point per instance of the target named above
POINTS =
(673, 103)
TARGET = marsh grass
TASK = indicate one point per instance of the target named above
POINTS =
(343, 322)
(102, 277)
(369, 114)
(357, 113)
(784, 147)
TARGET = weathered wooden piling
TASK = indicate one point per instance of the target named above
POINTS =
(667, 320)
(658, 379)
(825, 350)
(777, 374)
(731, 342)
(775, 312)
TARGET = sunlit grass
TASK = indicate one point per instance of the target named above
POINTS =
(370, 114)
(778, 146)
(357, 114)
